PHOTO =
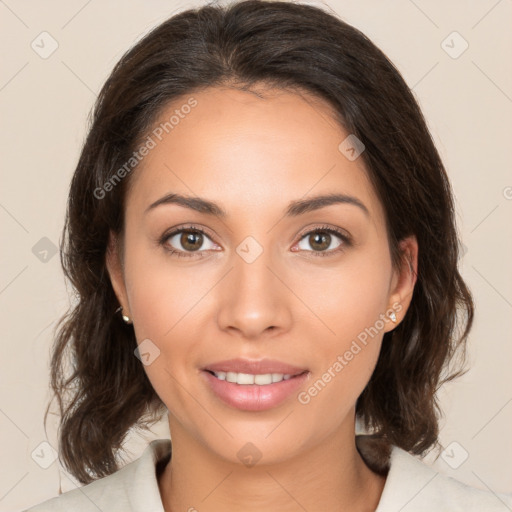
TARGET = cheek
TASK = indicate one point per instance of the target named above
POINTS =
(168, 304)
(344, 361)
(163, 294)
(348, 299)
(349, 325)
(165, 304)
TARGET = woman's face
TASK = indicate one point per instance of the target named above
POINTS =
(269, 279)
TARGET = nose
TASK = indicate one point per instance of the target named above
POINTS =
(254, 299)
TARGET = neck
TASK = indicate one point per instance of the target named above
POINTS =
(330, 477)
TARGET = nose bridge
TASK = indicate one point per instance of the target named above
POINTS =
(252, 270)
(253, 298)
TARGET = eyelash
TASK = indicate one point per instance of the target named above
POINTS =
(347, 242)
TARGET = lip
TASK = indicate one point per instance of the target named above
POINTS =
(252, 397)
(260, 366)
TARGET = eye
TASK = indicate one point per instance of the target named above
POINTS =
(186, 241)
(321, 240)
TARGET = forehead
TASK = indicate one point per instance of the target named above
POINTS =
(245, 152)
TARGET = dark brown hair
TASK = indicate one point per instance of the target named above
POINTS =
(105, 390)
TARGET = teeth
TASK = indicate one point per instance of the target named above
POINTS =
(249, 378)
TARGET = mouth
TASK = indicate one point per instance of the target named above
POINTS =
(253, 385)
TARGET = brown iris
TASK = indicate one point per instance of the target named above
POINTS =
(317, 240)
(191, 240)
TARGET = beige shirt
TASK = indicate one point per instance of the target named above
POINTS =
(411, 486)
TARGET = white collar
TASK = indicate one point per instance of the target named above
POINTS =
(411, 486)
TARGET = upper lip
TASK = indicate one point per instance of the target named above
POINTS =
(260, 366)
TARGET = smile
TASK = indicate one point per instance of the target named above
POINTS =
(253, 392)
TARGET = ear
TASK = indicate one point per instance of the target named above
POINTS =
(114, 264)
(403, 281)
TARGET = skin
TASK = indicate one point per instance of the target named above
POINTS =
(253, 156)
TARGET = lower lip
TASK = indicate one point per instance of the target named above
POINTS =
(252, 397)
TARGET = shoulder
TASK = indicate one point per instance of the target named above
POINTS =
(134, 487)
(412, 485)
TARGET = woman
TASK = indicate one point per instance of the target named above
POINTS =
(261, 236)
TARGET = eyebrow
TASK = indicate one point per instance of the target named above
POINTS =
(294, 209)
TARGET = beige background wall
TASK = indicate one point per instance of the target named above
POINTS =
(44, 103)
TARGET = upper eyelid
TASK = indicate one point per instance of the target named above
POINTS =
(330, 229)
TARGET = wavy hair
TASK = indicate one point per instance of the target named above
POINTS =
(103, 391)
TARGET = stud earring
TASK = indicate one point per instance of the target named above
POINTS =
(392, 316)
(126, 319)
